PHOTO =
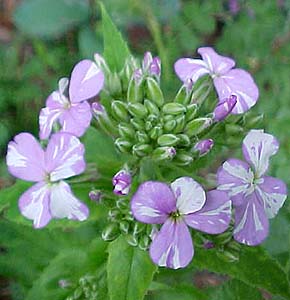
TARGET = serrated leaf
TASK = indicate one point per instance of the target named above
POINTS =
(130, 271)
(50, 19)
(116, 50)
(255, 267)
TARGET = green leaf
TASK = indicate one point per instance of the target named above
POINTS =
(116, 50)
(235, 289)
(50, 19)
(130, 271)
(255, 267)
(89, 42)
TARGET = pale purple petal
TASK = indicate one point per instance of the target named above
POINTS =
(25, 158)
(273, 193)
(172, 246)
(56, 101)
(155, 66)
(47, 118)
(215, 216)
(64, 156)
(240, 83)
(217, 64)
(189, 194)
(76, 119)
(122, 182)
(147, 60)
(235, 178)
(258, 147)
(86, 81)
(153, 202)
(63, 204)
(190, 69)
(224, 108)
(251, 222)
(34, 204)
(63, 84)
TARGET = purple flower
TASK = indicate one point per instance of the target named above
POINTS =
(183, 203)
(50, 197)
(234, 7)
(203, 146)
(227, 79)
(256, 197)
(122, 183)
(223, 109)
(68, 105)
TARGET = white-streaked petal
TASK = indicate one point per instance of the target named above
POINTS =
(189, 194)
(258, 147)
(63, 204)
(47, 118)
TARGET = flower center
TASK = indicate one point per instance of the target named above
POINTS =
(175, 215)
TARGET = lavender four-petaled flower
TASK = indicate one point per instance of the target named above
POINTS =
(50, 197)
(68, 106)
(183, 203)
(255, 197)
(227, 79)
(122, 182)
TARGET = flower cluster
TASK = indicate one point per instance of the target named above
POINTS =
(167, 132)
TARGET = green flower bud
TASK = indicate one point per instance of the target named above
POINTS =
(191, 112)
(78, 293)
(153, 119)
(144, 242)
(123, 145)
(151, 107)
(142, 137)
(180, 123)
(228, 256)
(155, 132)
(163, 153)
(113, 215)
(196, 126)
(173, 108)
(184, 140)
(169, 118)
(114, 84)
(137, 110)
(138, 227)
(183, 159)
(122, 204)
(131, 240)
(233, 245)
(169, 125)
(126, 131)
(168, 140)
(233, 129)
(111, 232)
(141, 149)
(124, 227)
(154, 92)
(119, 111)
(148, 126)
(182, 96)
(135, 91)
(223, 238)
(138, 124)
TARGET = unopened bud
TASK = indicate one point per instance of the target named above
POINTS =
(101, 63)
(173, 108)
(180, 122)
(191, 111)
(154, 92)
(155, 67)
(114, 84)
(124, 226)
(155, 132)
(95, 195)
(135, 89)
(119, 111)
(131, 240)
(182, 96)
(111, 232)
(142, 137)
(138, 124)
(167, 140)
(137, 110)
(164, 153)
(196, 126)
(224, 108)
(183, 159)
(141, 149)
(169, 125)
(122, 183)
(147, 60)
(208, 245)
(98, 110)
(184, 140)
(151, 107)
(144, 242)
(123, 145)
(126, 131)
(203, 147)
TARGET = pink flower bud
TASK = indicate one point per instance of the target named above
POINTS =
(204, 146)
(223, 109)
(122, 183)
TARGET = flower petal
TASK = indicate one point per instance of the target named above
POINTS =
(172, 246)
(251, 222)
(258, 147)
(76, 119)
(240, 83)
(217, 64)
(64, 156)
(86, 81)
(190, 69)
(25, 158)
(56, 100)
(153, 202)
(189, 194)
(47, 118)
(215, 216)
(273, 193)
(63, 204)
(235, 177)
(34, 204)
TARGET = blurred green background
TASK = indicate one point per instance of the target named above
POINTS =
(40, 41)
